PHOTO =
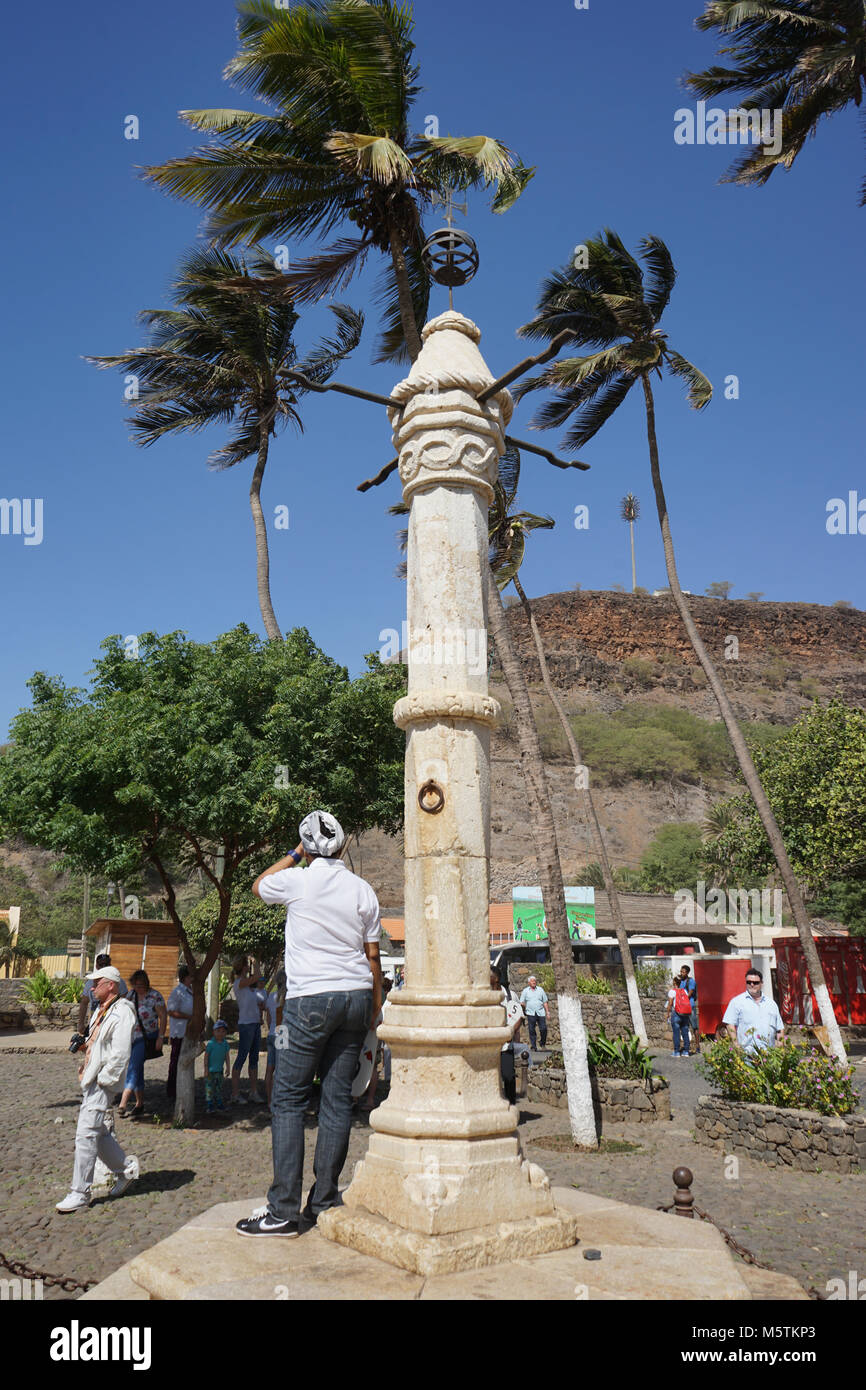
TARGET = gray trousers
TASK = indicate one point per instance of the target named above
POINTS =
(94, 1138)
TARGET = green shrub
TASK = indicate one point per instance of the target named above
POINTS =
(651, 742)
(70, 990)
(776, 673)
(643, 672)
(624, 1058)
(593, 984)
(586, 984)
(809, 688)
(651, 978)
(40, 989)
(789, 1075)
(673, 858)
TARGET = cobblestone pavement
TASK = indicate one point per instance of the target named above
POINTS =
(809, 1225)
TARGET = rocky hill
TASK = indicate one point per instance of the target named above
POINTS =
(608, 652)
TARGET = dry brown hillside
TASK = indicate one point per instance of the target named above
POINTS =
(607, 651)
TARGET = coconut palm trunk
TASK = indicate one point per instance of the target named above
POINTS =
(263, 561)
(744, 757)
(404, 295)
(540, 817)
(581, 782)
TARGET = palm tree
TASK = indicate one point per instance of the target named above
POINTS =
(717, 823)
(220, 357)
(341, 78)
(629, 510)
(508, 530)
(542, 826)
(806, 58)
(610, 304)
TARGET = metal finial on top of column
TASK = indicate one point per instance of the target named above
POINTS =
(450, 257)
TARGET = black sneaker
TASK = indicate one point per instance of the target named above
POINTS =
(308, 1215)
(261, 1223)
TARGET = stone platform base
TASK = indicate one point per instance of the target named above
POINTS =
(448, 1254)
(643, 1256)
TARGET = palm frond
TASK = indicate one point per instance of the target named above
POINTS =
(373, 156)
(662, 274)
(325, 357)
(700, 389)
(328, 273)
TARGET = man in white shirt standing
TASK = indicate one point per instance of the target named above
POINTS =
(333, 992)
(180, 1013)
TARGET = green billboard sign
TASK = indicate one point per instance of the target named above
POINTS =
(529, 920)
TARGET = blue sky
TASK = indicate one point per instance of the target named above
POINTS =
(770, 289)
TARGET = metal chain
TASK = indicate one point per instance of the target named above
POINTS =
(735, 1245)
(60, 1281)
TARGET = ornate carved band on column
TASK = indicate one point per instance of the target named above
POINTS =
(446, 704)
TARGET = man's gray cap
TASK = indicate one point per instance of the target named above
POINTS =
(322, 834)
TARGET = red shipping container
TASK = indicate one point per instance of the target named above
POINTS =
(843, 960)
(718, 979)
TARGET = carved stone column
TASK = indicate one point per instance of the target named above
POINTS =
(443, 1185)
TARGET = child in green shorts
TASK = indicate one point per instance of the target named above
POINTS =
(216, 1065)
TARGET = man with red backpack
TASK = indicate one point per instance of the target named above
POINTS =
(680, 1014)
(690, 986)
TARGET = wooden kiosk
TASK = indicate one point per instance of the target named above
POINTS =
(134, 944)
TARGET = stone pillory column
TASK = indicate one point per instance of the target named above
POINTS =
(443, 1185)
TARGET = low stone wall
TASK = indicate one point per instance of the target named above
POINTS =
(791, 1138)
(615, 1102)
(608, 1011)
(50, 1016)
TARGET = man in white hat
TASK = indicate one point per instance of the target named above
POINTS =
(333, 992)
(104, 1063)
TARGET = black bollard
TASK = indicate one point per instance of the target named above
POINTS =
(683, 1200)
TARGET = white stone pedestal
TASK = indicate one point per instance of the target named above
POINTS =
(443, 1185)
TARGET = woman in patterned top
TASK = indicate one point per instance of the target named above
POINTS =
(150, 1024)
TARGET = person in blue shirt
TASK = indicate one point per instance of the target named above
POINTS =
(752, 1020)
(216, 1064)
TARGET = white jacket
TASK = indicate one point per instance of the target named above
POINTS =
(109, 1057)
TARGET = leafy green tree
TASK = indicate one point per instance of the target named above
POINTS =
(720, 588)
(844, 900)
(203, 754)
(253, 928)
(221, 357)
(613, 302)
(673, 859)
(806, 58)
(815, 778)
(341, 80)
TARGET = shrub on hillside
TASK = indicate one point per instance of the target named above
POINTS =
(652, 742)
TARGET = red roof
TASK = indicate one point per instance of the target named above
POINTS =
(501, 924)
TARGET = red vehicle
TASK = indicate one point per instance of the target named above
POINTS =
(843, 960)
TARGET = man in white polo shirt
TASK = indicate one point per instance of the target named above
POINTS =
(753, 1020)
(333, 992)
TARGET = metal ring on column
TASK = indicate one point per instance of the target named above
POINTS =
(431, 788)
